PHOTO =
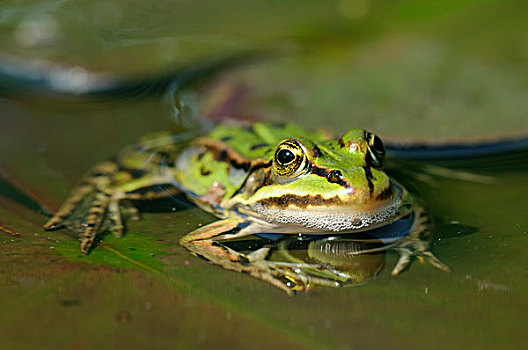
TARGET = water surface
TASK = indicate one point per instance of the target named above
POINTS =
(412, 71)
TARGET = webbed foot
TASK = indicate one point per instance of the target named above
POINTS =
(90, 207)
(281, 268)
(415, 244)
(293, 278)
(102, 202)
(406, 255)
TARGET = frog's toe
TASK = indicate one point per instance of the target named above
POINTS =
(433, 260)
(53, 223)
(294, 278)
(61, 216)
(279, 282)
(406, 255)
(291, 283)
(300, 282)
(259, 255)
(296, 284)
(129, 211)
(114, 214)
(403, 261)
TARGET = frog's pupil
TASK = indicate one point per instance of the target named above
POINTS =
(285, 156)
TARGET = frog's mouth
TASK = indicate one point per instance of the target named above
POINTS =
(348, 218)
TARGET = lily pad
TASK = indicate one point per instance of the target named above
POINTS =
(409, 70)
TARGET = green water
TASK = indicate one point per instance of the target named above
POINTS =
(408, 70)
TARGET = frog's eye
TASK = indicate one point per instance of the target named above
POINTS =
(289, 159)
(376, 150)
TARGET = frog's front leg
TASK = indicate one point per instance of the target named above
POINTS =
(415, 244)
(205, 243)
(99, 202)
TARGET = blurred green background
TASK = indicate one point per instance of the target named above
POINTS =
(408, 70)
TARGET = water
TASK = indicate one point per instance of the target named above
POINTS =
(429, 72)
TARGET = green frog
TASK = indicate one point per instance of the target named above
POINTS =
(256, 179)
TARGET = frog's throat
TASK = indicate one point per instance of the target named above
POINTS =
(337, 219)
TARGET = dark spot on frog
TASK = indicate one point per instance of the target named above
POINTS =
(370, 177)
(316, 151)
(135, 173)
(226, 138)
(223, 155)
(335, 176)
(242, 260)
(259, 145)
(314, 169)
(385, 194)
(204, 171)
(201, 154)
(332, 147)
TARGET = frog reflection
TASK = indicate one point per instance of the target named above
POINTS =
(301, 262)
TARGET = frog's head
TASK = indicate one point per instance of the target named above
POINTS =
(334, 185)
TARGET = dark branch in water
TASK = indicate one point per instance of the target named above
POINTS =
(24, 197)
(506, 153)
(37, 79)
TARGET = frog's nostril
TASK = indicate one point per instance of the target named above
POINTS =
(334, 176)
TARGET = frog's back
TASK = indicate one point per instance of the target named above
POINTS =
(260, 139)
(214, 167)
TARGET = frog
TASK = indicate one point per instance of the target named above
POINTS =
(256, 179)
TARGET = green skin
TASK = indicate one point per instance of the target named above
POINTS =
(266, 178)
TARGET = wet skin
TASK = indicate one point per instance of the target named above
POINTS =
(264, 178)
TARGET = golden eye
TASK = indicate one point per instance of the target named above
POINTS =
(289, 158)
